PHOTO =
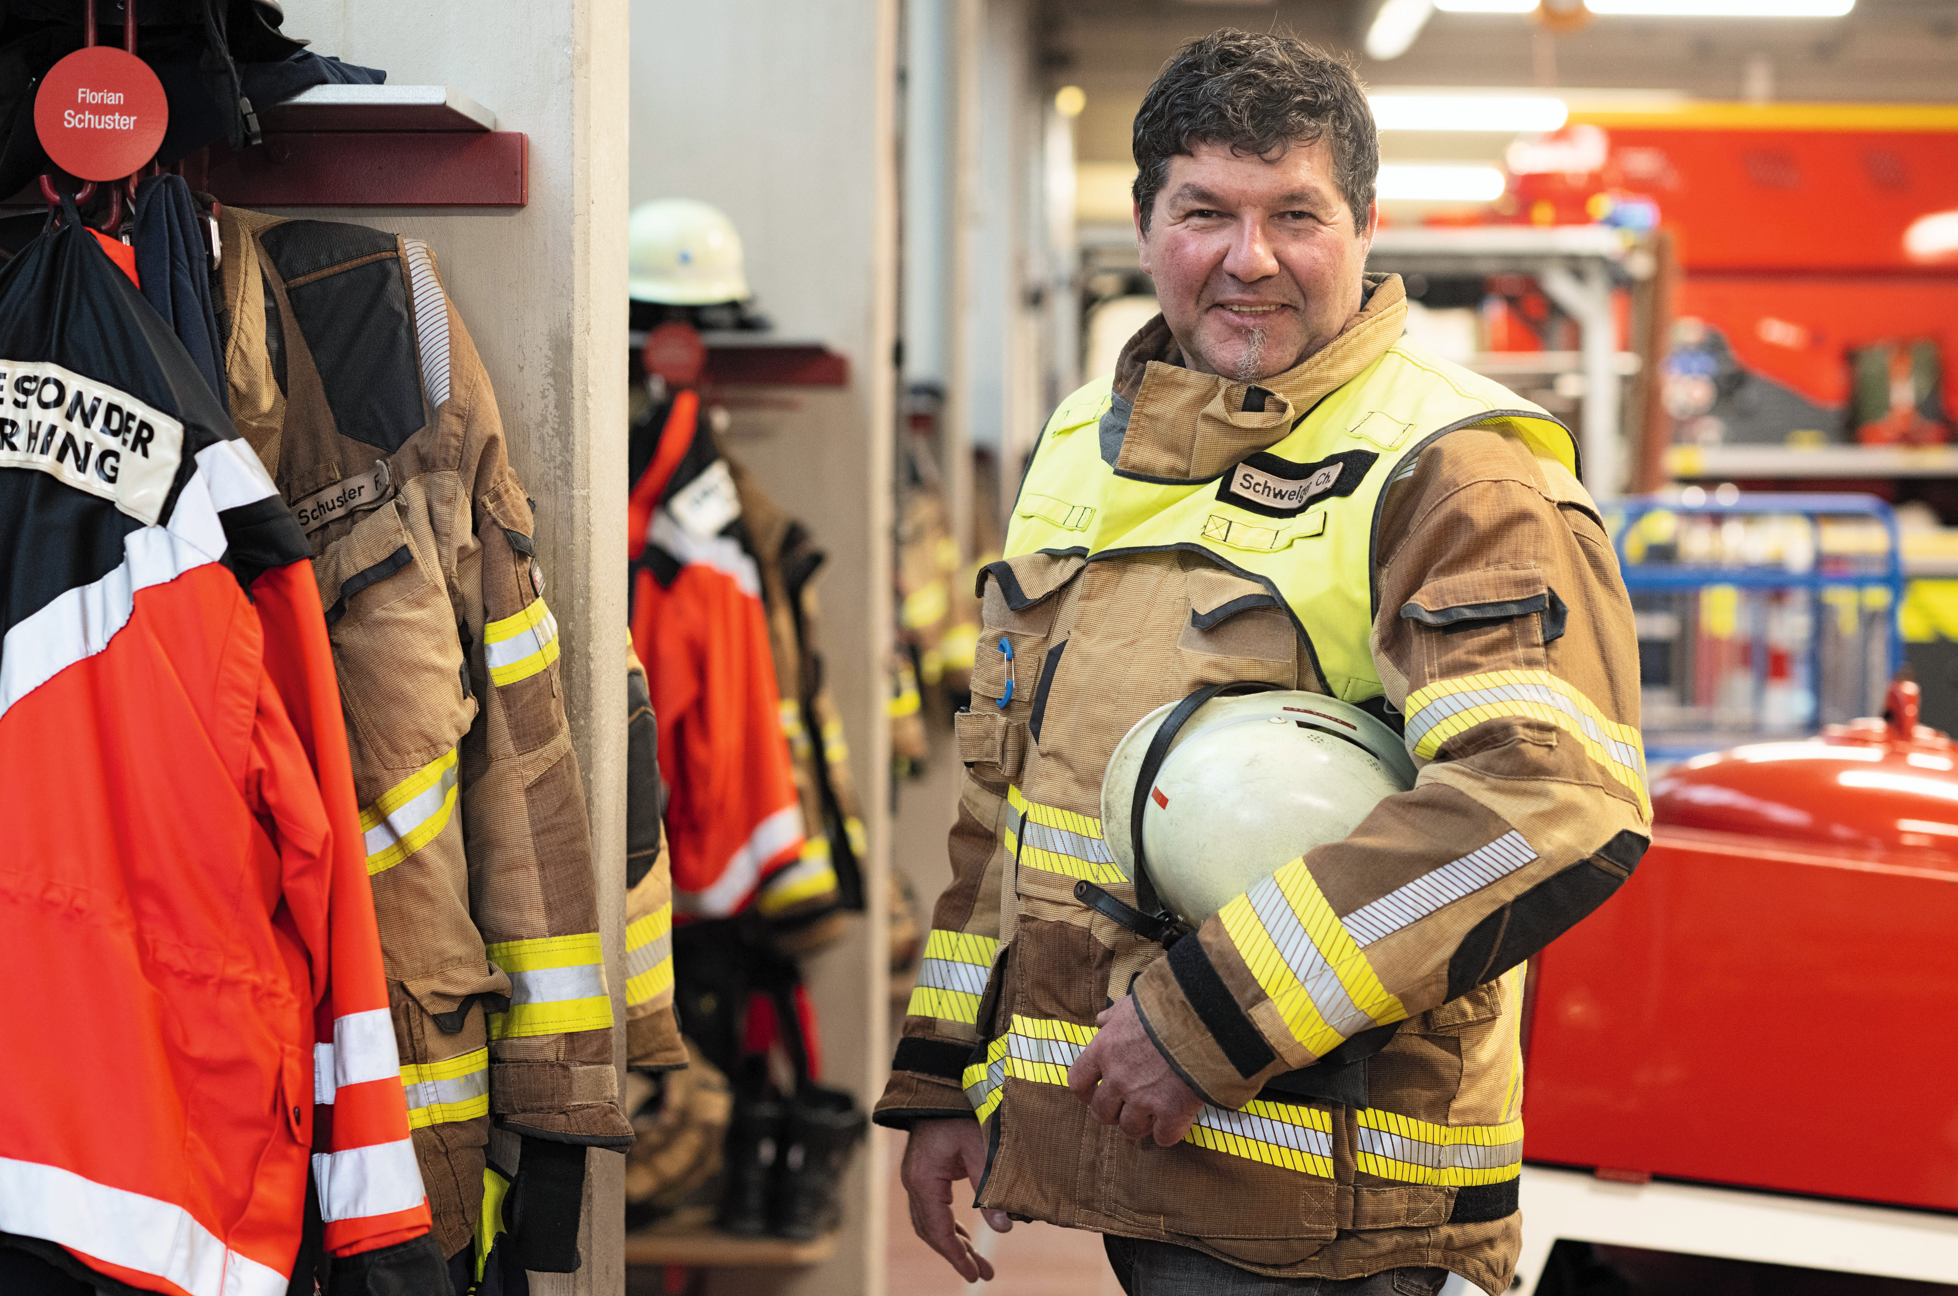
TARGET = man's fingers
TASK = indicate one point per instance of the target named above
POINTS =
(1106, 1105)
(998, 1221)
(1136, 1121)
(1085, 1074)
(932, 1221)
(1170, 1130)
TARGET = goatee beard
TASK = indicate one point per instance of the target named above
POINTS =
(1250, 361)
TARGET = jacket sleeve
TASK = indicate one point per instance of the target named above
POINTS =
(964, 960)
(1503, 636)
(652, 1030)
(369, 1186)
(533, 892)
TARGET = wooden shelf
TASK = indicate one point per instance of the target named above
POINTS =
(689, 1241)
(378, 108)
(1769, 461)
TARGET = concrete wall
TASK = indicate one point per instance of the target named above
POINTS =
(783, 115)
(541, 290)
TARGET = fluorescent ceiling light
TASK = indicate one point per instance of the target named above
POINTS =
(1931, 237)
(1504, 113)
(1410, 183)
(1722, 8)
(1395, 27)
(1486, 6)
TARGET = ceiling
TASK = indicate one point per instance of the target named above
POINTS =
(1884, 50)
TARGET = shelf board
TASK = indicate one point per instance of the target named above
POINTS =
(689, 1241)
(1502, 364)
(1769, 461)
(1493, 249)
(378, 108)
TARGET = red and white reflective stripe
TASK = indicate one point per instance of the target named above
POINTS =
(362, 1050)
(779, 832)
(375, 1180)
(127, 1229)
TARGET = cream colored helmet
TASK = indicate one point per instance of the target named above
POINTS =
(684, 253)
(1221, 792)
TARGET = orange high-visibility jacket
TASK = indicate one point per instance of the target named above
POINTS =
(186, 930)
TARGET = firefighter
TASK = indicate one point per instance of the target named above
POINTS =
(1318, 1088)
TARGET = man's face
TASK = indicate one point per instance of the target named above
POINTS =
(1257, 264)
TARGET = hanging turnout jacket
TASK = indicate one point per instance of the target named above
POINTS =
(353, 378)
(185, 925)
(732, 818)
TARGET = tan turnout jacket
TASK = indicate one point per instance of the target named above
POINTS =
(1497, 602)
(352, 376)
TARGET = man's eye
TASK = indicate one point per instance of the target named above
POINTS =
(1205, 213)
(1298, 216)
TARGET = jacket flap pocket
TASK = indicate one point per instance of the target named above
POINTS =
(1217, 595)
(981, 737)
(376, 549)
(1482, 1004)
(296, 1094)
(1022, 582)
(1491, 594)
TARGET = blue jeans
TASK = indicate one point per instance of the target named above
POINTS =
(1162, 1269)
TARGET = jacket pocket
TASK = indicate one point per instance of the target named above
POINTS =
(394, 643)
(296, 1093)
(1017, 620)
(1496, 618)
(1480, 1005)
(1231, 616)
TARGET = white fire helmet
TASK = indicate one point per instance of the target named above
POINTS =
(684, 253)
(1240, 788)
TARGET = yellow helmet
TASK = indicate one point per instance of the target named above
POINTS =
(683, 252)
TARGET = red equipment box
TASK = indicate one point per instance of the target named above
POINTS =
(1770, 1001)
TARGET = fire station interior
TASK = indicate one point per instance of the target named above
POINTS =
(1716, 239)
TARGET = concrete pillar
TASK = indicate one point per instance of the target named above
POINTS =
(541, 290)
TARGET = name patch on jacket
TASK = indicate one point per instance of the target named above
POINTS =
(88, 435)
(1275, 487)
(343, 498)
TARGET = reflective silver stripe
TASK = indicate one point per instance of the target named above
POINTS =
(1433, 713)
(558, 984)
(527, 642)
(1030, 1048)
(460, 1089)
(1336, 1008)
(431, 320)
(1246, 1125)
(947, 974)
(398, 825)
(1415, 900)
(1062, 842)
(642, 959)
(378, 1179)
(1439, 1156)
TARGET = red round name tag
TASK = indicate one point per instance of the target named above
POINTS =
(100, 113)
(675, 352)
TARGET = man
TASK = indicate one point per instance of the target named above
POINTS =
(1274, 486)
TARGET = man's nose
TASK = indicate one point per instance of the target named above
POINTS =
(1250, 257)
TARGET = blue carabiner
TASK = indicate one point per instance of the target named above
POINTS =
(1006, 647)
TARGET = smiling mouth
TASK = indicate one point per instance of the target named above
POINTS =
(1265, 309)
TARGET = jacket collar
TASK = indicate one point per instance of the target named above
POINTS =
(1169, 421)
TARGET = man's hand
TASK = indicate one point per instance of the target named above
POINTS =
(938, 1153)
(1126, 1081)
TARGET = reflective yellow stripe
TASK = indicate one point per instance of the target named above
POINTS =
(519, 646)
(906, 702)
(1058, 841)
(859, 839)
(557, 984)
(812, 875)
(456, 1089)
(835, 749)
(926, 604)
(1417, 1151)
(789, 711)
(1448, 707)
(946, 1005)
(649, 955)
(1041, 1051)
(409, 815)
(490, 1223)
(1304, 958)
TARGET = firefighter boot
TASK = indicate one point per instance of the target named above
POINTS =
(822, 1130)
(754, 1142)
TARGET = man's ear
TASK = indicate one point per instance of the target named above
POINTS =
(1141, 239)
(1373, 222)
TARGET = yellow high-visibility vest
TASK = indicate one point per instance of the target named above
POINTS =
(1299, 518)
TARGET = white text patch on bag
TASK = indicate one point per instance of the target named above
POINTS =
(89, 435)
(1275, 487)
(708, 502)
(343, 498)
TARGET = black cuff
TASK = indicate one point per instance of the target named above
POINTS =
(543, 1207)
(903, 1118)
(609, 1142)
(1218, 1009)
(940, 1059)
(413, 1268)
